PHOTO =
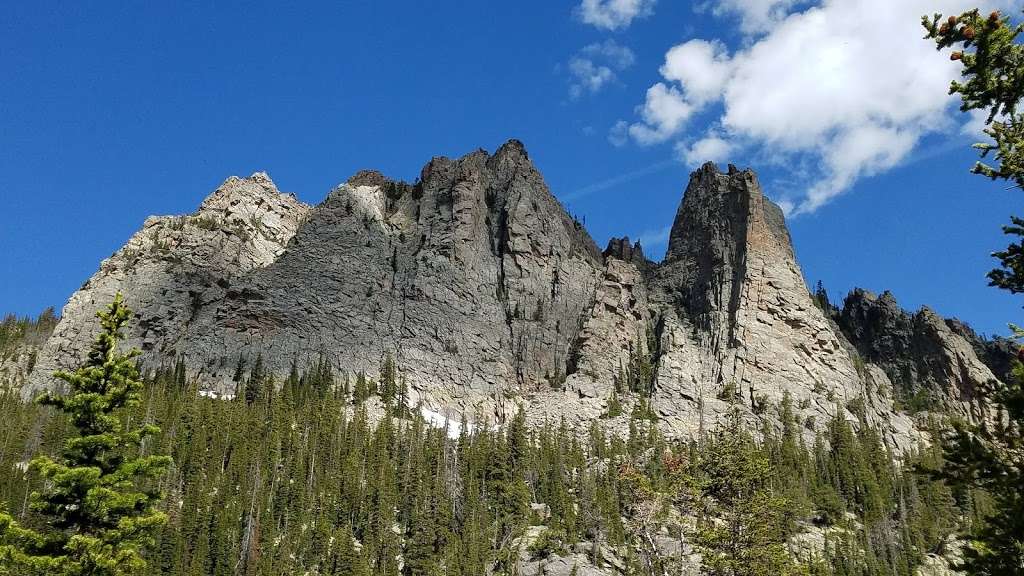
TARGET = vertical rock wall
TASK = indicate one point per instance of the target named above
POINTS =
(489, 296)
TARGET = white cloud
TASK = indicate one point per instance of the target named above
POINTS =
(587, 76)
(664, 112)
(618, 56)
(594, 67)
(613, 14)
(976, 122)
(619, 134)
(701, 67)
(848, 86)
(856, 152)
(711, 148)
(697, 72)
(756, 16)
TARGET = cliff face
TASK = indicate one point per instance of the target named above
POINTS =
(175, 270)
(736, 321)
(474, 279)
(931, 361)
(489, 295)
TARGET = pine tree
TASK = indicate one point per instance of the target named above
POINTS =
(361, 391)
(98, 503)
(254, 385)
(741, 529)
(993, 63)
(992, 458)
(346, 560)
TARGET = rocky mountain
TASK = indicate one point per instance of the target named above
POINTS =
(489, 295)
(931, 361)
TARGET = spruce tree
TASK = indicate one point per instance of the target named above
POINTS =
(98, 503)
(388, 387)
(254, 385)
(741, 527)
(345, 559)
(981, 456)
(361, 391)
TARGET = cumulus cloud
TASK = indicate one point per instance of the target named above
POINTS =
(594, 66)
(701, 67)
(613, 14)
(712, 147)
(664, 113)
(848, 86)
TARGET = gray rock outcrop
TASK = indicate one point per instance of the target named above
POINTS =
(490, 296)
(736, 322)
(174, 269)
(932, 362)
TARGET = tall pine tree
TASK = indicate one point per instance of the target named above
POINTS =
(98, 502)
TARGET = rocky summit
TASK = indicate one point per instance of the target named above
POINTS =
(489, 296)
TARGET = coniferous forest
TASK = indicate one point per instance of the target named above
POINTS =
(322, 474)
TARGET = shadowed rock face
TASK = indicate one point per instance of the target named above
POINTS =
(175, 270)
(922, 353)
(475, 280)
(736, 323)
(489, 295)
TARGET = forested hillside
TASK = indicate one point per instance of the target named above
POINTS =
(313, 474)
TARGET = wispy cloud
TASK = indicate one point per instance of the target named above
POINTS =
(619, 180)
(655, 237)
(595, 66)
(613, 14)
(756, 16)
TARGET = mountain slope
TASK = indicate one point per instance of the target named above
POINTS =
(489, 295)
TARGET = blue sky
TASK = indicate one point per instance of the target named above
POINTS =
(114, 111)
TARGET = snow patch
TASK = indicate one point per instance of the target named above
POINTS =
(452, 425)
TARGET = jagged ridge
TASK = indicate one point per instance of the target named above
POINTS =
(489, 295)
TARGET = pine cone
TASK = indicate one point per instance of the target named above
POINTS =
(994, 17)
(951, 21)
(969, 32)
(956, 55)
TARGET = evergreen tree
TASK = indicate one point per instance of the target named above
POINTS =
(254, 385)
(388, 386)
(981, 456)
(741, 527)
(346, 560)
(325, 491)
(99, 504)
(361, 391)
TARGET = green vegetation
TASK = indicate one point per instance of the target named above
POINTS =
(297, 476)
(742, 521)
(17, 332)
(320, 474)
(820, 298)
(989, 454)
(95, 510)
(14, 330)
(638, 375)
